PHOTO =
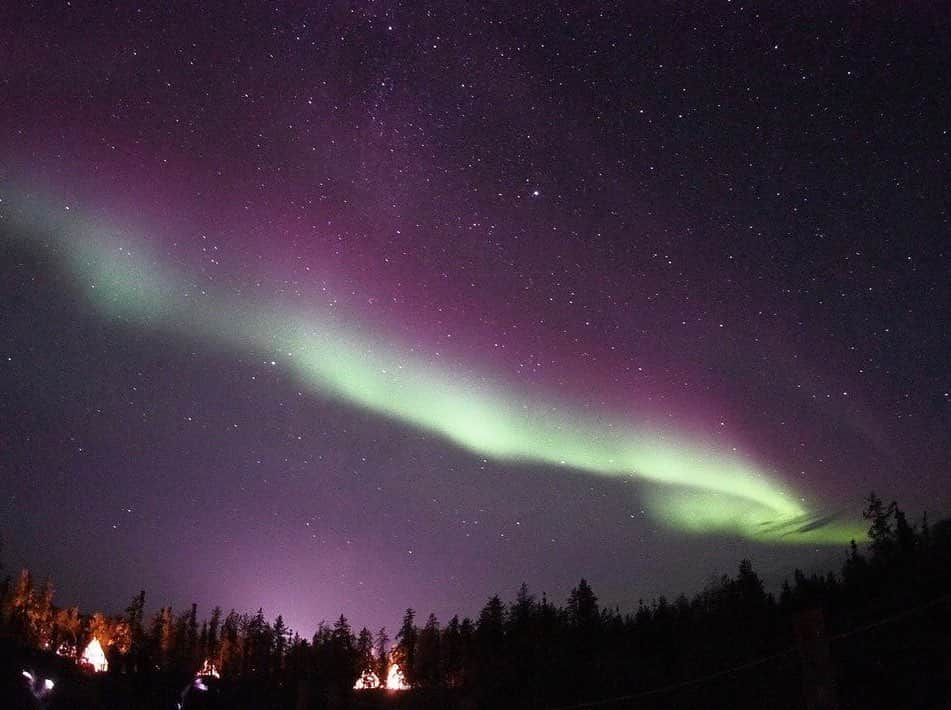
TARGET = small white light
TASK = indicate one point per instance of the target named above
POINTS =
(28, 676)
(48, 684)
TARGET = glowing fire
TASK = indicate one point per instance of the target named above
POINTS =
(95, 657)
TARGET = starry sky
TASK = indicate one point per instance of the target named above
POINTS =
(354, 306)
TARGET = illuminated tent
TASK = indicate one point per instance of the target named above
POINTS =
(95, 656)
(208, 669)
(367, 681)
(395, 679)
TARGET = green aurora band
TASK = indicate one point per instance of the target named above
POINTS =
(690, 486)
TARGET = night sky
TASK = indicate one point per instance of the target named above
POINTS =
(355, 306)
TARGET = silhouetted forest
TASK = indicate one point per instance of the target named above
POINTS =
(875, 635)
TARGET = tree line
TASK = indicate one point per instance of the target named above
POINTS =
(531, 652)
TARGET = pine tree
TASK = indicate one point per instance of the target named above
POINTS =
(490, 651)
(190, 652)
(428, 658)
(880, 533)
(280, 635)
(100, 627)
(406, 641)
(452, 655)
(203, 644)
(257, 654)
(68, 626)
(214, 641)
(583, 605)
(364, 651)
(523, 608)
(134, 616)
(231, 648)
(41, 615)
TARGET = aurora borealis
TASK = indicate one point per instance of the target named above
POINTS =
(397, 305)
(468, 411)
